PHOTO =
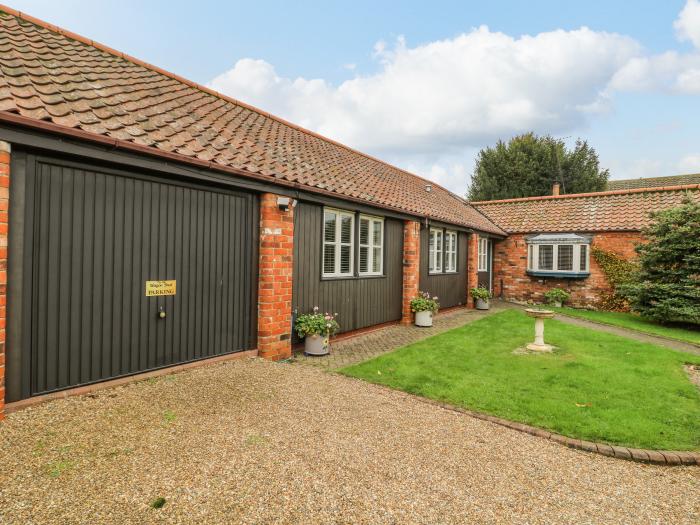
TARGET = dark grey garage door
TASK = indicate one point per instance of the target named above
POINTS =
(97, 237)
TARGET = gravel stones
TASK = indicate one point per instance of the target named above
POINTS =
(258, 442)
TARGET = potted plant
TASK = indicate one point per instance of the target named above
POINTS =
(481, 295)
(424, 306)
(556, 297)
(316, 329)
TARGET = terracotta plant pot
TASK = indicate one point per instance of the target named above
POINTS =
(482, 304)
(424, 318)
(317, 345)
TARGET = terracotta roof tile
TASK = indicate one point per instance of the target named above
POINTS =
(49, 74)
(620, 210)
(654, 182)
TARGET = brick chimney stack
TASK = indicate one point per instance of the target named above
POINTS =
(555, 189)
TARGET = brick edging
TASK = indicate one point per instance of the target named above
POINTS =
(656, 457)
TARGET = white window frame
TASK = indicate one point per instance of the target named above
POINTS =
(483, 255)
(435, 252)
(337, 243)
(450, 243)
(370, 245)
(533, 257)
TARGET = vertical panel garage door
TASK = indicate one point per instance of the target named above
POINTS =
(97, 238)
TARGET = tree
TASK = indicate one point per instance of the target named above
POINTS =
(667, 286)
(528, 165)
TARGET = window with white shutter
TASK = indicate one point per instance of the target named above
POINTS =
(450, 251)
(338, 233)
(371, 257)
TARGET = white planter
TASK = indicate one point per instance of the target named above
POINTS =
(424, 318)
(316, 345)
(482, 304)
(557, 304)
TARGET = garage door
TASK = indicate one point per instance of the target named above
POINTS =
(126, 274)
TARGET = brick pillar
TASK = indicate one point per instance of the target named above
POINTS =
(411, 267)
(276, 266)
(472, 265)
(4, 222)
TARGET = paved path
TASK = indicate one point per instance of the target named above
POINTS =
(258, 442)
(631, 334)
(366, 346)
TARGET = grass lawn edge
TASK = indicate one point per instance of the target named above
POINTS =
(523, 423)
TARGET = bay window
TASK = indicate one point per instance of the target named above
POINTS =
(558, 255)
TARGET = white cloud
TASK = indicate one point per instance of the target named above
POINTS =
(689, 164)
(669, 72)
(428, 105)
(448, 94)
(688, 23)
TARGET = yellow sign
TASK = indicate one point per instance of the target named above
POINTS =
(154, 288)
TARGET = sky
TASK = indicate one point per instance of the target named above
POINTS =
(426, 85)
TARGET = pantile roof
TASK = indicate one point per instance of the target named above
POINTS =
(654, 182)
(62, 82)
(620, 210)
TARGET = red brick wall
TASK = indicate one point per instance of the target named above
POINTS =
(411, 267)
(472, 265)
(510, 265)
(4, 207)
(275, 269)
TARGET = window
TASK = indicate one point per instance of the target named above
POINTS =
(546, 257)
(565, 257)
(450, 251)
(483, 255)
(583, 258)
(435, 251)
(371, 245)
(337, 243)
(565, 254)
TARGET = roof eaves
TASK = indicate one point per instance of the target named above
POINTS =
(50, 127)
(680, 187)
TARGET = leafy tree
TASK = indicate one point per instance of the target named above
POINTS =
(667, 286)
(528, 165)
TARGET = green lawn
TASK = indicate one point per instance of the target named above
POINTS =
(634, 322)
(596, 386)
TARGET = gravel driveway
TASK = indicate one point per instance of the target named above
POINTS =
(259, 442)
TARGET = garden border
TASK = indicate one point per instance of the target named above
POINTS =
(655, 457)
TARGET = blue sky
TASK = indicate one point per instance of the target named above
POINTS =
(425, 85)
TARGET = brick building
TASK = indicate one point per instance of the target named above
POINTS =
(565, 229)
(148, 222)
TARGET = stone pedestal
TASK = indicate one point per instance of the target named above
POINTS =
(540, 315)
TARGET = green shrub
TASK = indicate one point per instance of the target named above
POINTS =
(557, 295)
(316, 323)
(667, 286)
(480, 293)
(423, 302)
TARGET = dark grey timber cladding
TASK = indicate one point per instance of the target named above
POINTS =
(359, 302)
(94, 237)
(450, 288)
